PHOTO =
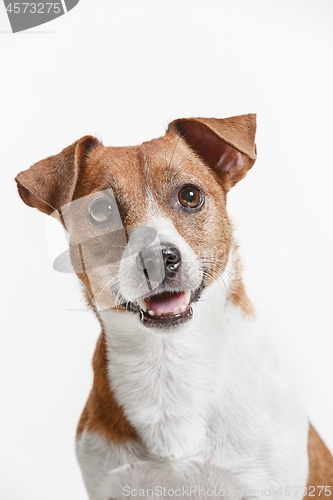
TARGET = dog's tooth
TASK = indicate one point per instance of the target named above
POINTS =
(143, 304)
(182, 307)
(187, 297)
(151, 313)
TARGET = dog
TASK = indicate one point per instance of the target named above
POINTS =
(187, 398)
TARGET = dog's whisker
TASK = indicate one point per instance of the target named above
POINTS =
(103, 288)
(221, 266)
(208, 274)
(93, 285)
(245, 229)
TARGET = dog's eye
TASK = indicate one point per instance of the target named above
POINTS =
(100, 211)
(190, 197)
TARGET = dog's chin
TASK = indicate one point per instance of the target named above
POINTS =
(167, 308)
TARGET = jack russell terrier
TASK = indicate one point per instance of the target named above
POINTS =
(187, 399)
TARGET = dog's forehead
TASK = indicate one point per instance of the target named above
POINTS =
(150, 169)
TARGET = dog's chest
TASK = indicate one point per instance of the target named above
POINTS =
(202, 407)
(126, 472)
(167, 389)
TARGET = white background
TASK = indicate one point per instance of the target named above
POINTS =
(122, 71)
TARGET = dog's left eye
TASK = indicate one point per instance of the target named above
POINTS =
(190, 197)
(100, 211)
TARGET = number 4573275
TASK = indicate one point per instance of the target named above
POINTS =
(34, 8)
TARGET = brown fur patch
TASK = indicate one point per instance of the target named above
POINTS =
(238, 294)
(321, 467)
(217, 142)
(102, 414)
(240, 299)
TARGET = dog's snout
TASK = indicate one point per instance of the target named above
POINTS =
(152, 259)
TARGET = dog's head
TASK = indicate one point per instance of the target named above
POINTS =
(148, 226)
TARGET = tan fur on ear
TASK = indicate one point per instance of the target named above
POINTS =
(226, 145)
(50, 183)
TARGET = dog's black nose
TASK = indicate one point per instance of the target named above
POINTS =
(171, 259)
(159, 262)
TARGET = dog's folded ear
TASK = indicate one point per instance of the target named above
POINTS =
(225, 145)
(50, 184)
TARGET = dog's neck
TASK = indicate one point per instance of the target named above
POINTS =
(166, 381)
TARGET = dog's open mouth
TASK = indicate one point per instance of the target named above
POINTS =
(166, 309)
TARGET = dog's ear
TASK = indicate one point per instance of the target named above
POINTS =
(50, 183)
(225, 145)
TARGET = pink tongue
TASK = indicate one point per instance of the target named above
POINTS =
(165, 303)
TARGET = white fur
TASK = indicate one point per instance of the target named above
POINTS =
(207, 401)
